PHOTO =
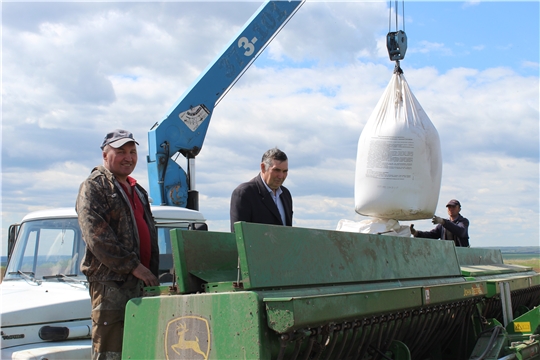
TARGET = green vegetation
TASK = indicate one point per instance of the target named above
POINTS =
(522, 255)
(523, 260)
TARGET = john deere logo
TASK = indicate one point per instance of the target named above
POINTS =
(187, 337)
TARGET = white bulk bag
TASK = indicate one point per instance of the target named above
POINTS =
(399, 162)
(374, 226)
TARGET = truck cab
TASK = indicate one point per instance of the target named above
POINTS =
(45, 301)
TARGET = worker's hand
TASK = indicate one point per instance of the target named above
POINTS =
(143, 273)
(437, 220)
(413, 230)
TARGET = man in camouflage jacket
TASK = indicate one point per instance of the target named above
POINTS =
(113, 212)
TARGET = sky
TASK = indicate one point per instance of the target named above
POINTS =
(73, 71)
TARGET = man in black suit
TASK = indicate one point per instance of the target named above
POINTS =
(263, 199)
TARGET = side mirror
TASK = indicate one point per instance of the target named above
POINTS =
(12, 237)
(198, 226)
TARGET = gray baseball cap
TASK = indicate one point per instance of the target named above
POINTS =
(453, 202)
(117, 138)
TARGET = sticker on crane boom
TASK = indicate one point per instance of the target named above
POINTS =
(194, 117)
(187, 337)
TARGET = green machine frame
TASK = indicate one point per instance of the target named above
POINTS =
(274, 292)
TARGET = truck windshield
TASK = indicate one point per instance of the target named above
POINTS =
(50, 248)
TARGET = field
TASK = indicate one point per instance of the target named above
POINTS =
(522, 255)
(523, 260)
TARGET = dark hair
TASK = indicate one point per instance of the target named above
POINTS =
(273, 154)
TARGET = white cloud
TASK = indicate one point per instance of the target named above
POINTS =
(431, 47)
(530, 64)
(470, 3)
(73, 72)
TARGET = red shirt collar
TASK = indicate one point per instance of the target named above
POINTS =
(131, 181)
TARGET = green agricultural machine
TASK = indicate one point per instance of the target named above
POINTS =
(275, 292)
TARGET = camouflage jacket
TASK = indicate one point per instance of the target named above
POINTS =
(109, 229)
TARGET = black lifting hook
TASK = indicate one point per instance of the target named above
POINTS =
(396, 43)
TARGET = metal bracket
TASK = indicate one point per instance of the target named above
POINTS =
(396, 43)
(506, 302)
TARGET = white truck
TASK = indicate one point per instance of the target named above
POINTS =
(45, 301)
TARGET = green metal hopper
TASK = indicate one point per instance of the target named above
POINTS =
(274, 292)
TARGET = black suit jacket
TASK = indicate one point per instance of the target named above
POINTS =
(251, 202)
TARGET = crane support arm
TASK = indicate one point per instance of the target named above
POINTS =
(184, 128)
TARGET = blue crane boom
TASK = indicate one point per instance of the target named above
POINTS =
(183, 129)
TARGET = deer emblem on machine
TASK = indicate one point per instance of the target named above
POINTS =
(183, 344)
